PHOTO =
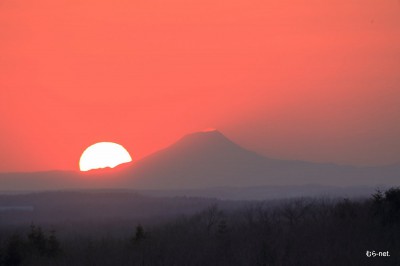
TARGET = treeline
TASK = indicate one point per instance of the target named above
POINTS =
(294, 232)
(17, 249)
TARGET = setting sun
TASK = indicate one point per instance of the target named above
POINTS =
(102, 155)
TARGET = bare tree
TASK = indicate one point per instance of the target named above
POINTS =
(211, 216)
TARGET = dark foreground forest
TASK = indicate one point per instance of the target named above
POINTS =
(304, 231)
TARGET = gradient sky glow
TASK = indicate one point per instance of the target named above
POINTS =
(296, 79)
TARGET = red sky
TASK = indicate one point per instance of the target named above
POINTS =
(311, 80)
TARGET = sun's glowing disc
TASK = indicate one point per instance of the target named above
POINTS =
(102, 155)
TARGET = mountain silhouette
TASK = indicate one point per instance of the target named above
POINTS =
(209, 159)
(199, 159)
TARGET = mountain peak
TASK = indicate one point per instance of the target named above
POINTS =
(207, 132)
(212, 141)
(206, 136)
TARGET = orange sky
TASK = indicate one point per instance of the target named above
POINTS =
(312, 80)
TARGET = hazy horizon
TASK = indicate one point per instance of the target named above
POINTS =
(132, 163)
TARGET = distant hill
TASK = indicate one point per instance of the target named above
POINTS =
(206, 160)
